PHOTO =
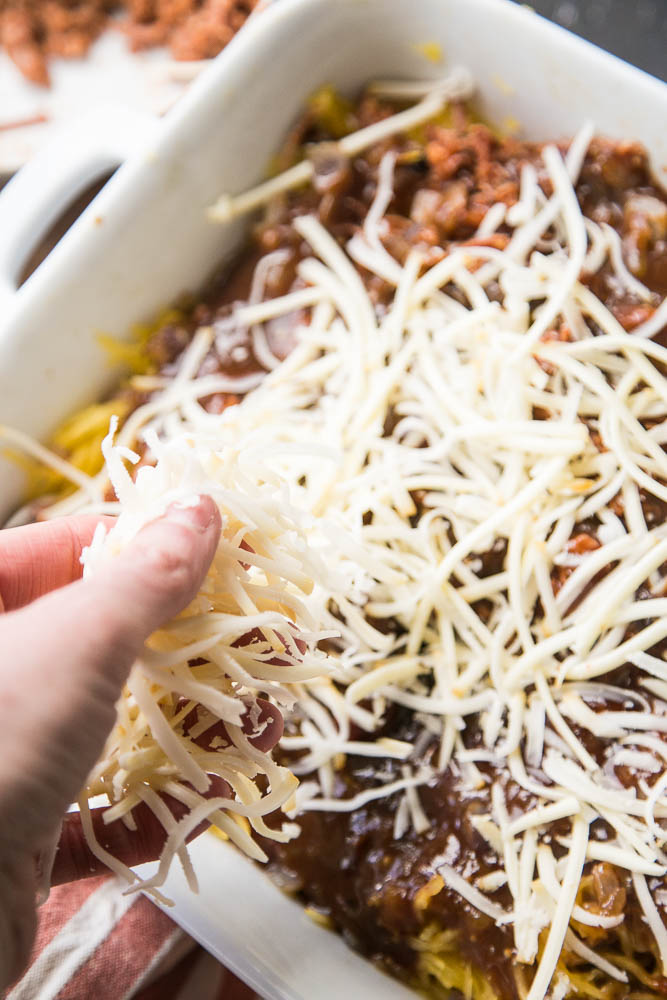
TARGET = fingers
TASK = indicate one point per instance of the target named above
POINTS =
(266, 728)
(75, 860)
(39, 558)
(67, 655)
(263, 725)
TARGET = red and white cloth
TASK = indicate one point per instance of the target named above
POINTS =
(94, 942)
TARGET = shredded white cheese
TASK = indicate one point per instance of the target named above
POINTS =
(305, 466)
(202, 665)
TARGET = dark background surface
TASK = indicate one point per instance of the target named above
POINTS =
(635, 30)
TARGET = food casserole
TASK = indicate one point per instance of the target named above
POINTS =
(147, 237)
(503, 83)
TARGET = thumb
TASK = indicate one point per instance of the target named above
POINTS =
(149, 582)
(67, 655)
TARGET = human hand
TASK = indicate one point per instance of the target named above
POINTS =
(67, 647)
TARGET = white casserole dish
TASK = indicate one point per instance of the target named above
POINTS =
(145, 238)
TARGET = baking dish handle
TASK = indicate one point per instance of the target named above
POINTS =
(37, 195)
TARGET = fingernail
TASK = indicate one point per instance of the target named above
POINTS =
(198, 513)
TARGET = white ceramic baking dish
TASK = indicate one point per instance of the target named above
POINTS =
(146, 238)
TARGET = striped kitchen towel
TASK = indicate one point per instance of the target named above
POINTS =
(94, 942)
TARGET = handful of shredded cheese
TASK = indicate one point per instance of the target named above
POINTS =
(248, 631)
